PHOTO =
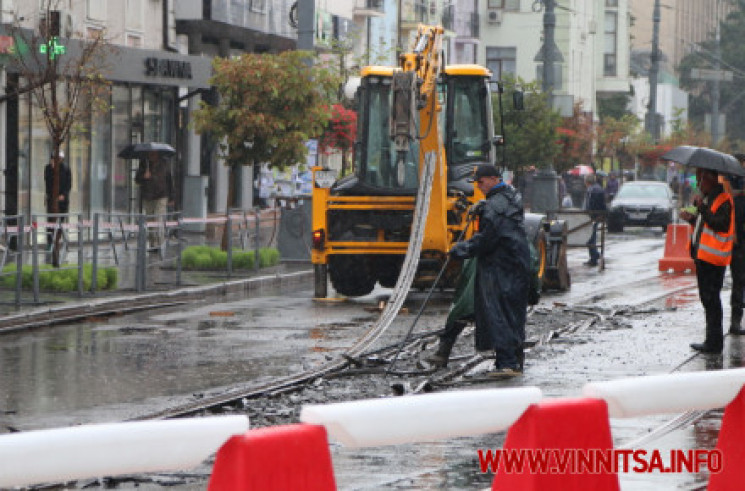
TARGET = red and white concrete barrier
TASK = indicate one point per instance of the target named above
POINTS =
(669, 393)
(423, 417)
(89, 451)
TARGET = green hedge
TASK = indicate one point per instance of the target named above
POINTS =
(206, 257)
(60, 280)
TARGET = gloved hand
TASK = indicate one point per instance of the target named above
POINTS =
(477, 208)
(459, 251)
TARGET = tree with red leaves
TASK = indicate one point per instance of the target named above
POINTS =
(340, 134)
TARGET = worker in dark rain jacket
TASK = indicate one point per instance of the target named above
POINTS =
(711, 249)
(737, 266)
(502, 277)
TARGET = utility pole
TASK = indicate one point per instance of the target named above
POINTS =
(715, 83)
(306, 15)
(651, 123)
(549, 28)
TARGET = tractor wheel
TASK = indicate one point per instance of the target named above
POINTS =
(558, 278)
(351, 275)
(387, 269)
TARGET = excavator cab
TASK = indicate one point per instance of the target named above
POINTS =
(379, 169)
(469, 127)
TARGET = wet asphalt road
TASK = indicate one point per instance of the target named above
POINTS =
(118, 368)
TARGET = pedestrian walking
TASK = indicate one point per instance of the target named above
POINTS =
(611, 187)
(595, 205)
(57, 186)
(737, 266)
(711, 249)
(156, 191)
(502, 276)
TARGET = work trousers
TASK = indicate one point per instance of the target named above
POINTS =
(156, 210)
(737, 270)
(710, 279)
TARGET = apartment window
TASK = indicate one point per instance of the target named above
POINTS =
(610, 48)
(611, 3)
(134, 41)
(258, 6)
(96, 9)
(501, 60)
(504, 4)
(134, 15)
(93, 32)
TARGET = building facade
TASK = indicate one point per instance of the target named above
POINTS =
(592, 38)
(148, 78)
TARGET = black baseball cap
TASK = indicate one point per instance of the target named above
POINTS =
(485, 170)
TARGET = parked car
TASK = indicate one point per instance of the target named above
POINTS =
(641, 203)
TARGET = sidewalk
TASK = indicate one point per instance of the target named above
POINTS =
(55, 307)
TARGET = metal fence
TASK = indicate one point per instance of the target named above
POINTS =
(119, 241)
(579, 228)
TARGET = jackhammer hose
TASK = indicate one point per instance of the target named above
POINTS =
(469, 219)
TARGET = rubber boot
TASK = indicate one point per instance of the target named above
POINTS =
(442, 355)
(735, 326)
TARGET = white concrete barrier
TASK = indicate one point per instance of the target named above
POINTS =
(670, 393)
(89, 451)
(418, 418)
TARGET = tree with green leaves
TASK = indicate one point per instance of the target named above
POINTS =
(269, 106)
(530, 134)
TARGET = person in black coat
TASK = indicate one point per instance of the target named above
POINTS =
(62, 202)
(737, 266)
(502, 272)
(594, 203)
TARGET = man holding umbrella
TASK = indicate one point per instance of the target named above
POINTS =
(156, 191)
(711, 249)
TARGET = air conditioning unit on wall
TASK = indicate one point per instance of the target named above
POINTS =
(495, 16)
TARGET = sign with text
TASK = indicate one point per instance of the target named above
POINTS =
(706, 74)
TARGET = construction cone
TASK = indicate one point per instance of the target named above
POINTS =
(677, 257)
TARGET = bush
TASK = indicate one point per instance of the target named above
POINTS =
(268, 257)
(205, 257)
(60, 280)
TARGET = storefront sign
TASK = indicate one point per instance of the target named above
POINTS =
(6, 45)
(158, 67)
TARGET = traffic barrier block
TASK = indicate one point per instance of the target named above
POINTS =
(419, 418)
(576, 425)
(677, 257)
(731, 444)
(275, 458)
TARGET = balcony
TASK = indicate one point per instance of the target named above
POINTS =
(369, 8)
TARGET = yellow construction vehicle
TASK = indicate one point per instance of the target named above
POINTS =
(406, 115)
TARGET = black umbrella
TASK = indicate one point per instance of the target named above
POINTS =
(705, 158)
(140, 150)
